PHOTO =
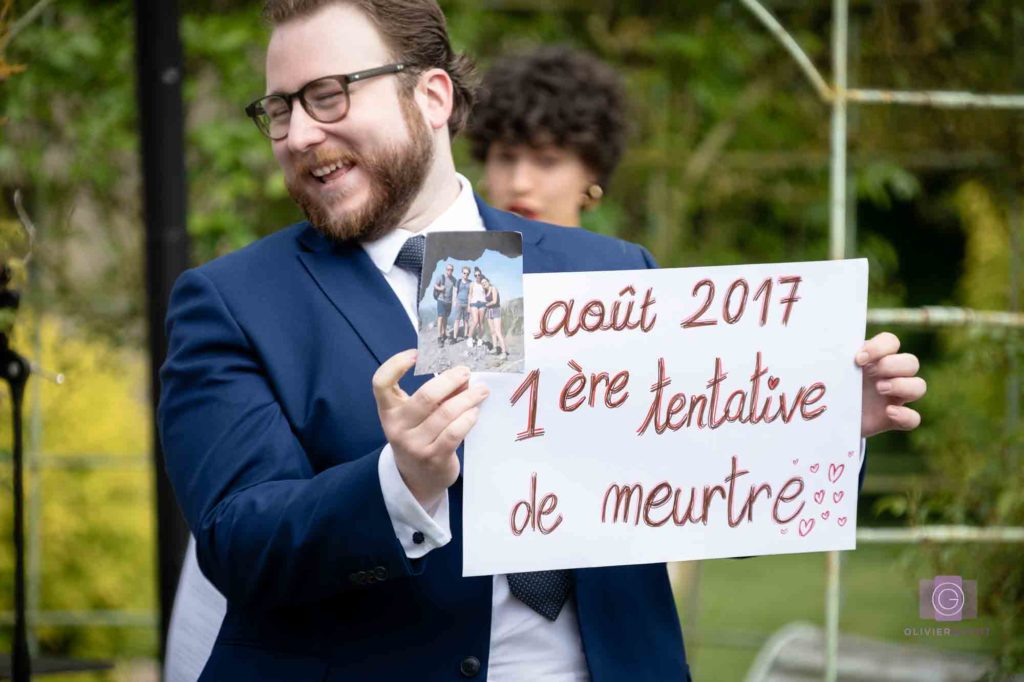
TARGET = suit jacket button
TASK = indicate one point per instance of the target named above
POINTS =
(470, 666)
(380, 573)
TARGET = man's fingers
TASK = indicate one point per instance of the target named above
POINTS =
(456, 432)
(452, 409)
(386, 378)
(903, 418)
(899, 365)
(904, 389)
(433, 393)
(881, 345)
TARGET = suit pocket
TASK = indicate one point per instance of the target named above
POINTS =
(244, 662)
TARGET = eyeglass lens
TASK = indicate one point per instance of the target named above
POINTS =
(325, 100)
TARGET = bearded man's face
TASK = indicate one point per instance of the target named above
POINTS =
(355, 178)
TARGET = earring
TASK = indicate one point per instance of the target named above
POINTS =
(592, 196)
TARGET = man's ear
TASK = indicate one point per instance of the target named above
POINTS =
(436, 95)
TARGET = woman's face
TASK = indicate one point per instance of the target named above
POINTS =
(541, 183)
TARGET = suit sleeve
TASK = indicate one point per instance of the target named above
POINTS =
(269, 530)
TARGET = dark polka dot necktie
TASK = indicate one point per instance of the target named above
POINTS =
(410, 257)
(543, 591)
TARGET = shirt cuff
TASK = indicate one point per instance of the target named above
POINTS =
(419, 530)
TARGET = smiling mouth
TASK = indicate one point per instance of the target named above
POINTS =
(331, 171)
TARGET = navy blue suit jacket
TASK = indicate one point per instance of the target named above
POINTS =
(271, 435)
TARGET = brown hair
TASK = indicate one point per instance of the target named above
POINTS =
(416, 33)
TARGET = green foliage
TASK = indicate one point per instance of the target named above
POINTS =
(97, 525)
(727, 163)
(882, 181)
(972, 436)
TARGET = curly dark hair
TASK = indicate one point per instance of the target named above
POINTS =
(553, 95)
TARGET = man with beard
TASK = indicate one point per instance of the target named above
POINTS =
(322, 483)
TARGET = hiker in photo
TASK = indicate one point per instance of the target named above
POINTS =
(461, 323)
(477, 304)
(493, 308)
(443, 290)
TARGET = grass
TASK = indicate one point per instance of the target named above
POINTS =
(742, 602)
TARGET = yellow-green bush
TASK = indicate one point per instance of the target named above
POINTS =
(96, 523)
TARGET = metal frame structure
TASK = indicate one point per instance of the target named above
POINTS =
(837, 95)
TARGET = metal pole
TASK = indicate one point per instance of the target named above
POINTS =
(35, 485)
(161, 119)
(837, 250)
(15, 372)
(791, 46)
(941, 317)
(905, 536)
(942, 99)
(837, 224)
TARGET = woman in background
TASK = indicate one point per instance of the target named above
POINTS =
(550, 128)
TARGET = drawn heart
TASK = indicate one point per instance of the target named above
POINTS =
(850, 453)
(824, 516)
(796, 461)
(806, 526)
(783, 530)
(819, 496)
(834, 472)
(837, 496)
(814, 468)
(841, 520)
(773, 382)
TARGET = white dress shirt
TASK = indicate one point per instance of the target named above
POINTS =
(524, 644)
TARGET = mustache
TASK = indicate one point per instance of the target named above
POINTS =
(324, 157)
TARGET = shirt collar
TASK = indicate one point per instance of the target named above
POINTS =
(462, 216)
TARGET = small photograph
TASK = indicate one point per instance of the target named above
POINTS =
(471, 302)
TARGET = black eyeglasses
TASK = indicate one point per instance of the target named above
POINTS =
(326, 100)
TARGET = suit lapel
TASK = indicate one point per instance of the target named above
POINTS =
(359, 291)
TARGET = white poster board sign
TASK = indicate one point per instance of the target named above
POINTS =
(672, 414)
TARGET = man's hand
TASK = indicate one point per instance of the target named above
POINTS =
(425, 429)
(890, 381)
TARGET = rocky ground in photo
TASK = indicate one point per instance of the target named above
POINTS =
(479, 358)
(437, 358)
